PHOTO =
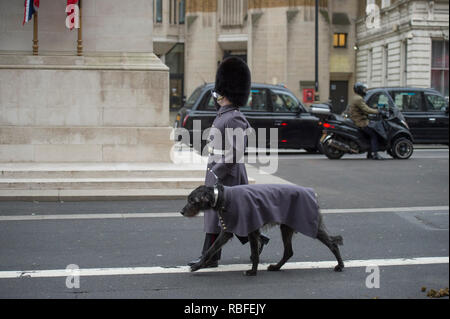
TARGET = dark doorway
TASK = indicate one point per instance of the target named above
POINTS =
(227, 54)
(175, 62)
(339, 96)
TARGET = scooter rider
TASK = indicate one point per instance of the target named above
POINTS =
(359, 112)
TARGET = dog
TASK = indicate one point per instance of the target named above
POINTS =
(244, 209)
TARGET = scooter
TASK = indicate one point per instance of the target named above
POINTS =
(341, 136)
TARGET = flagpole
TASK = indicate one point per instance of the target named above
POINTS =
(80, 34)
(35, 34)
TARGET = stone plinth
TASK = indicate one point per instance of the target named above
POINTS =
(98, 108)
(110, 105)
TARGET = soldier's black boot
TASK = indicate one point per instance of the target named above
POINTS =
(214, 262)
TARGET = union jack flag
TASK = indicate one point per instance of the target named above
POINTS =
(31, 6)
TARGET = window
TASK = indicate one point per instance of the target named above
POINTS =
(176, 11)
(172, 11)
(157, 9)
(181, 12)
(193, 98)
(257, 101)
(340, 40)
(284, 102)
(210, 105)
(436, 103)
(408, 101)
(379, 100)
(439, 66)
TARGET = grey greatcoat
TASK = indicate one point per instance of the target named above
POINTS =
(226, 156)
(249, 207)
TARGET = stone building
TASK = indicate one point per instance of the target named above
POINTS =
(276, 38)
(404, 43)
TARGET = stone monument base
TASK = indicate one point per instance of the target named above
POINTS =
(99, 108)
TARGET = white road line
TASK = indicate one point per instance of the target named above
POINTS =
(349, 157)
(223, 268)
(176, 214)
(88, 216)
(385, 210)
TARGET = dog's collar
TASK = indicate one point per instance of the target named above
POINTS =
(216, 196)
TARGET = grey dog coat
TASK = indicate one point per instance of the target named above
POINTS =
(230, 174)
(249, 207)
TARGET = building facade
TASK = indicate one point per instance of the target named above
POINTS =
(276, 38)
(404, 43)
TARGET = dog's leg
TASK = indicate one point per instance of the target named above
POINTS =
(254, 246)
(286, 233)
(221, 240)
(332, 243)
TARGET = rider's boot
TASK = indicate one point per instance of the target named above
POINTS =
(377, 156)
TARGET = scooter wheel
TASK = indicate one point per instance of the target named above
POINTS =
(331, 152)
(402, 148)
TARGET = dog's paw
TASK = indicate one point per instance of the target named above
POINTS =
(339, 268)
(273, 268)
(250, 272)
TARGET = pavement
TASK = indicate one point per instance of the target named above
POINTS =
(393, 216)
(132, 181)
(109, 181)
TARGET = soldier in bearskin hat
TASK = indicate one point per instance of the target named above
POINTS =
(232, 90)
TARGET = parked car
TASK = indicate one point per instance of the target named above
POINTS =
(425, 111)
(269, 106)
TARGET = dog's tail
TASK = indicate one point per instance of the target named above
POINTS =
(337, 240)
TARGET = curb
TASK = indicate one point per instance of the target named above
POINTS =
(90, 195)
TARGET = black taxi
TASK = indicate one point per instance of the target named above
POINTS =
(268, 106)
(425, 111)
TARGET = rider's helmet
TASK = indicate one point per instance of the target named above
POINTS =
(360, 89)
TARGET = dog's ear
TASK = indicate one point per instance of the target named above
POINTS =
(208, 195)
(196, 199)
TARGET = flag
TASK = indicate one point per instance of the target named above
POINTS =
(70, 2)
(31, 6)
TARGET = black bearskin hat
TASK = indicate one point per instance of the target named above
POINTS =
(233, 80)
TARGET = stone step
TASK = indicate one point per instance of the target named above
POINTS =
(101, 174)
(113, 170)
(99, 183)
